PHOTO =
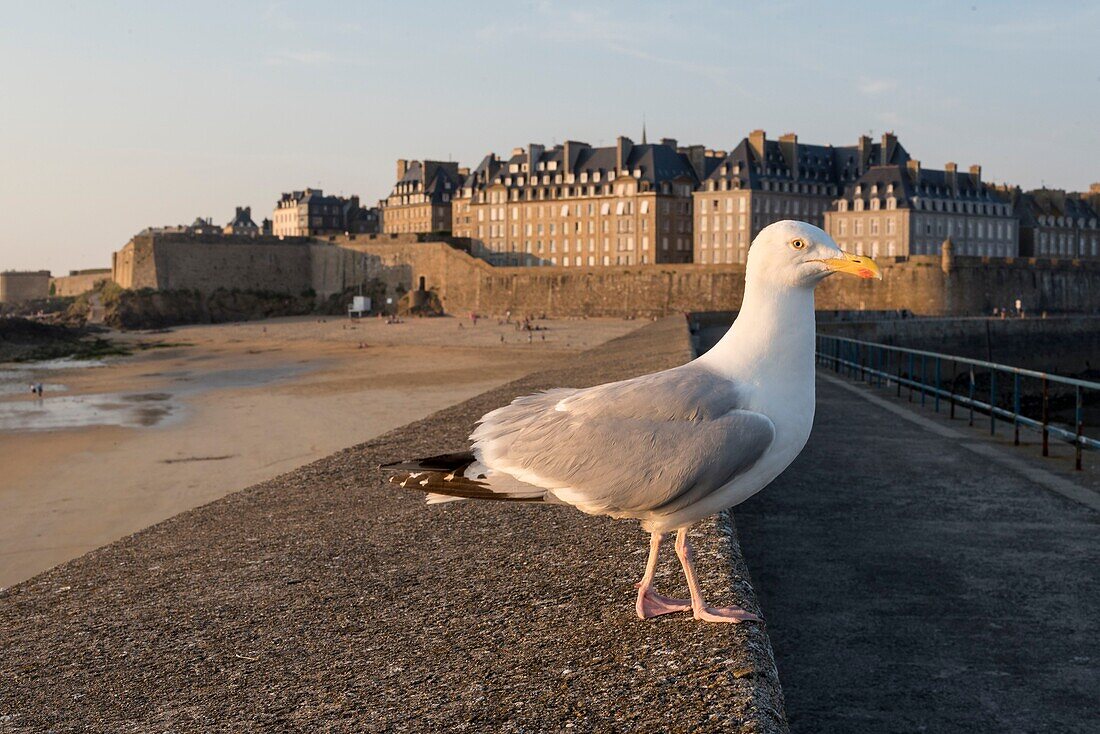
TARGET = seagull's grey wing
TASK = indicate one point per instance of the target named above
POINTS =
(652, 444)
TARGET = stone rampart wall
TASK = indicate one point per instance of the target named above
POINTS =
(74, 285)
(922, 285)
(16, 287)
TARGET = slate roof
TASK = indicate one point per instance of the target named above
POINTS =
(432, 178)
(928, 183)
(657, 162)
(1051, 204)
(242, 219)
(815, 164)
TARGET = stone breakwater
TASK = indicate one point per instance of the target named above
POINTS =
(328, 599)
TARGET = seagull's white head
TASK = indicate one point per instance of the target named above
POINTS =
(800, 255)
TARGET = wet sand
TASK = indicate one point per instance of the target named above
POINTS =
(218, 408)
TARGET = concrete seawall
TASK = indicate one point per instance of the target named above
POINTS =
(1065, 345)
(327, 599)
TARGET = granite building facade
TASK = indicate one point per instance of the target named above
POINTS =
(309, 213)
(763, 181)
(1054, 223)
(421, 198)
(904, 209)
(580, 206)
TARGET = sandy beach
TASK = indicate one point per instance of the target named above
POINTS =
(203, 411)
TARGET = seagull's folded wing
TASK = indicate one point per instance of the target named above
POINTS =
(656, 443)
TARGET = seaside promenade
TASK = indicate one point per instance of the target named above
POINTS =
(918, 576)
(911, 576)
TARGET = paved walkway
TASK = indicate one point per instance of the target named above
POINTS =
(918, 579)
(329, 600)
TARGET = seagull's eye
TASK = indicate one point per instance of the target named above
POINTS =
(798, 244)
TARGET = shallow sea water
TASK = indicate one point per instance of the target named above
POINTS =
(21, 412)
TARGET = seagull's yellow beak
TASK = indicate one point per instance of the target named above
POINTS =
(862, 267)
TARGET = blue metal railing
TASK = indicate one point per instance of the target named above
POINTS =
(922, 373)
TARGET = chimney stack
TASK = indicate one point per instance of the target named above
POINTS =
(623, 146)
(886, 151)
(670, 142)
(865, 151)
(697, 156)
(913, 167)
(756, 142)
(402, 167)
(788, 144)
(534, 152)
(568, 149)
(976, 174)
(951, 171)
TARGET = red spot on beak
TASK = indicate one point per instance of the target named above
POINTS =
(865, 273)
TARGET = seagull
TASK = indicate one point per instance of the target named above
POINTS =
(673, 447)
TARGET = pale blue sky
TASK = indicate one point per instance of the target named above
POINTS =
(119, 115)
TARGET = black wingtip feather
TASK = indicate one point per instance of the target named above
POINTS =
(441, 462)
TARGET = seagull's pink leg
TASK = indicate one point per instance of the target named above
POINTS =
(650, 603)
(699, 606)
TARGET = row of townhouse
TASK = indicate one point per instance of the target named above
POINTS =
(629, 204)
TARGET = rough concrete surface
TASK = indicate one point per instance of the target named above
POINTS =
(328, 600)
(912, 585)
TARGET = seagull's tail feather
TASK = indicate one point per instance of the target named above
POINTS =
(452, 477)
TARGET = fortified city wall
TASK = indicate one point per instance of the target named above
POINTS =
(78, 281)
(925, 285)
(19, 286)
(290, 265)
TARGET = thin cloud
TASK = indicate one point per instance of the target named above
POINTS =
(872, 87)
(301, 58)
(623, 36)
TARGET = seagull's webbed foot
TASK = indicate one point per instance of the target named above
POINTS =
(650, 604)
(731, 614)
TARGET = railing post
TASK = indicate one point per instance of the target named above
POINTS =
(897, 365)
(954, 380)
(836, 355)
(939, 385)
(1016, 410)
(992, 402)
(1046, 417)
(1080, 427)
(923, 382)
(910, 376)
(971, 396)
